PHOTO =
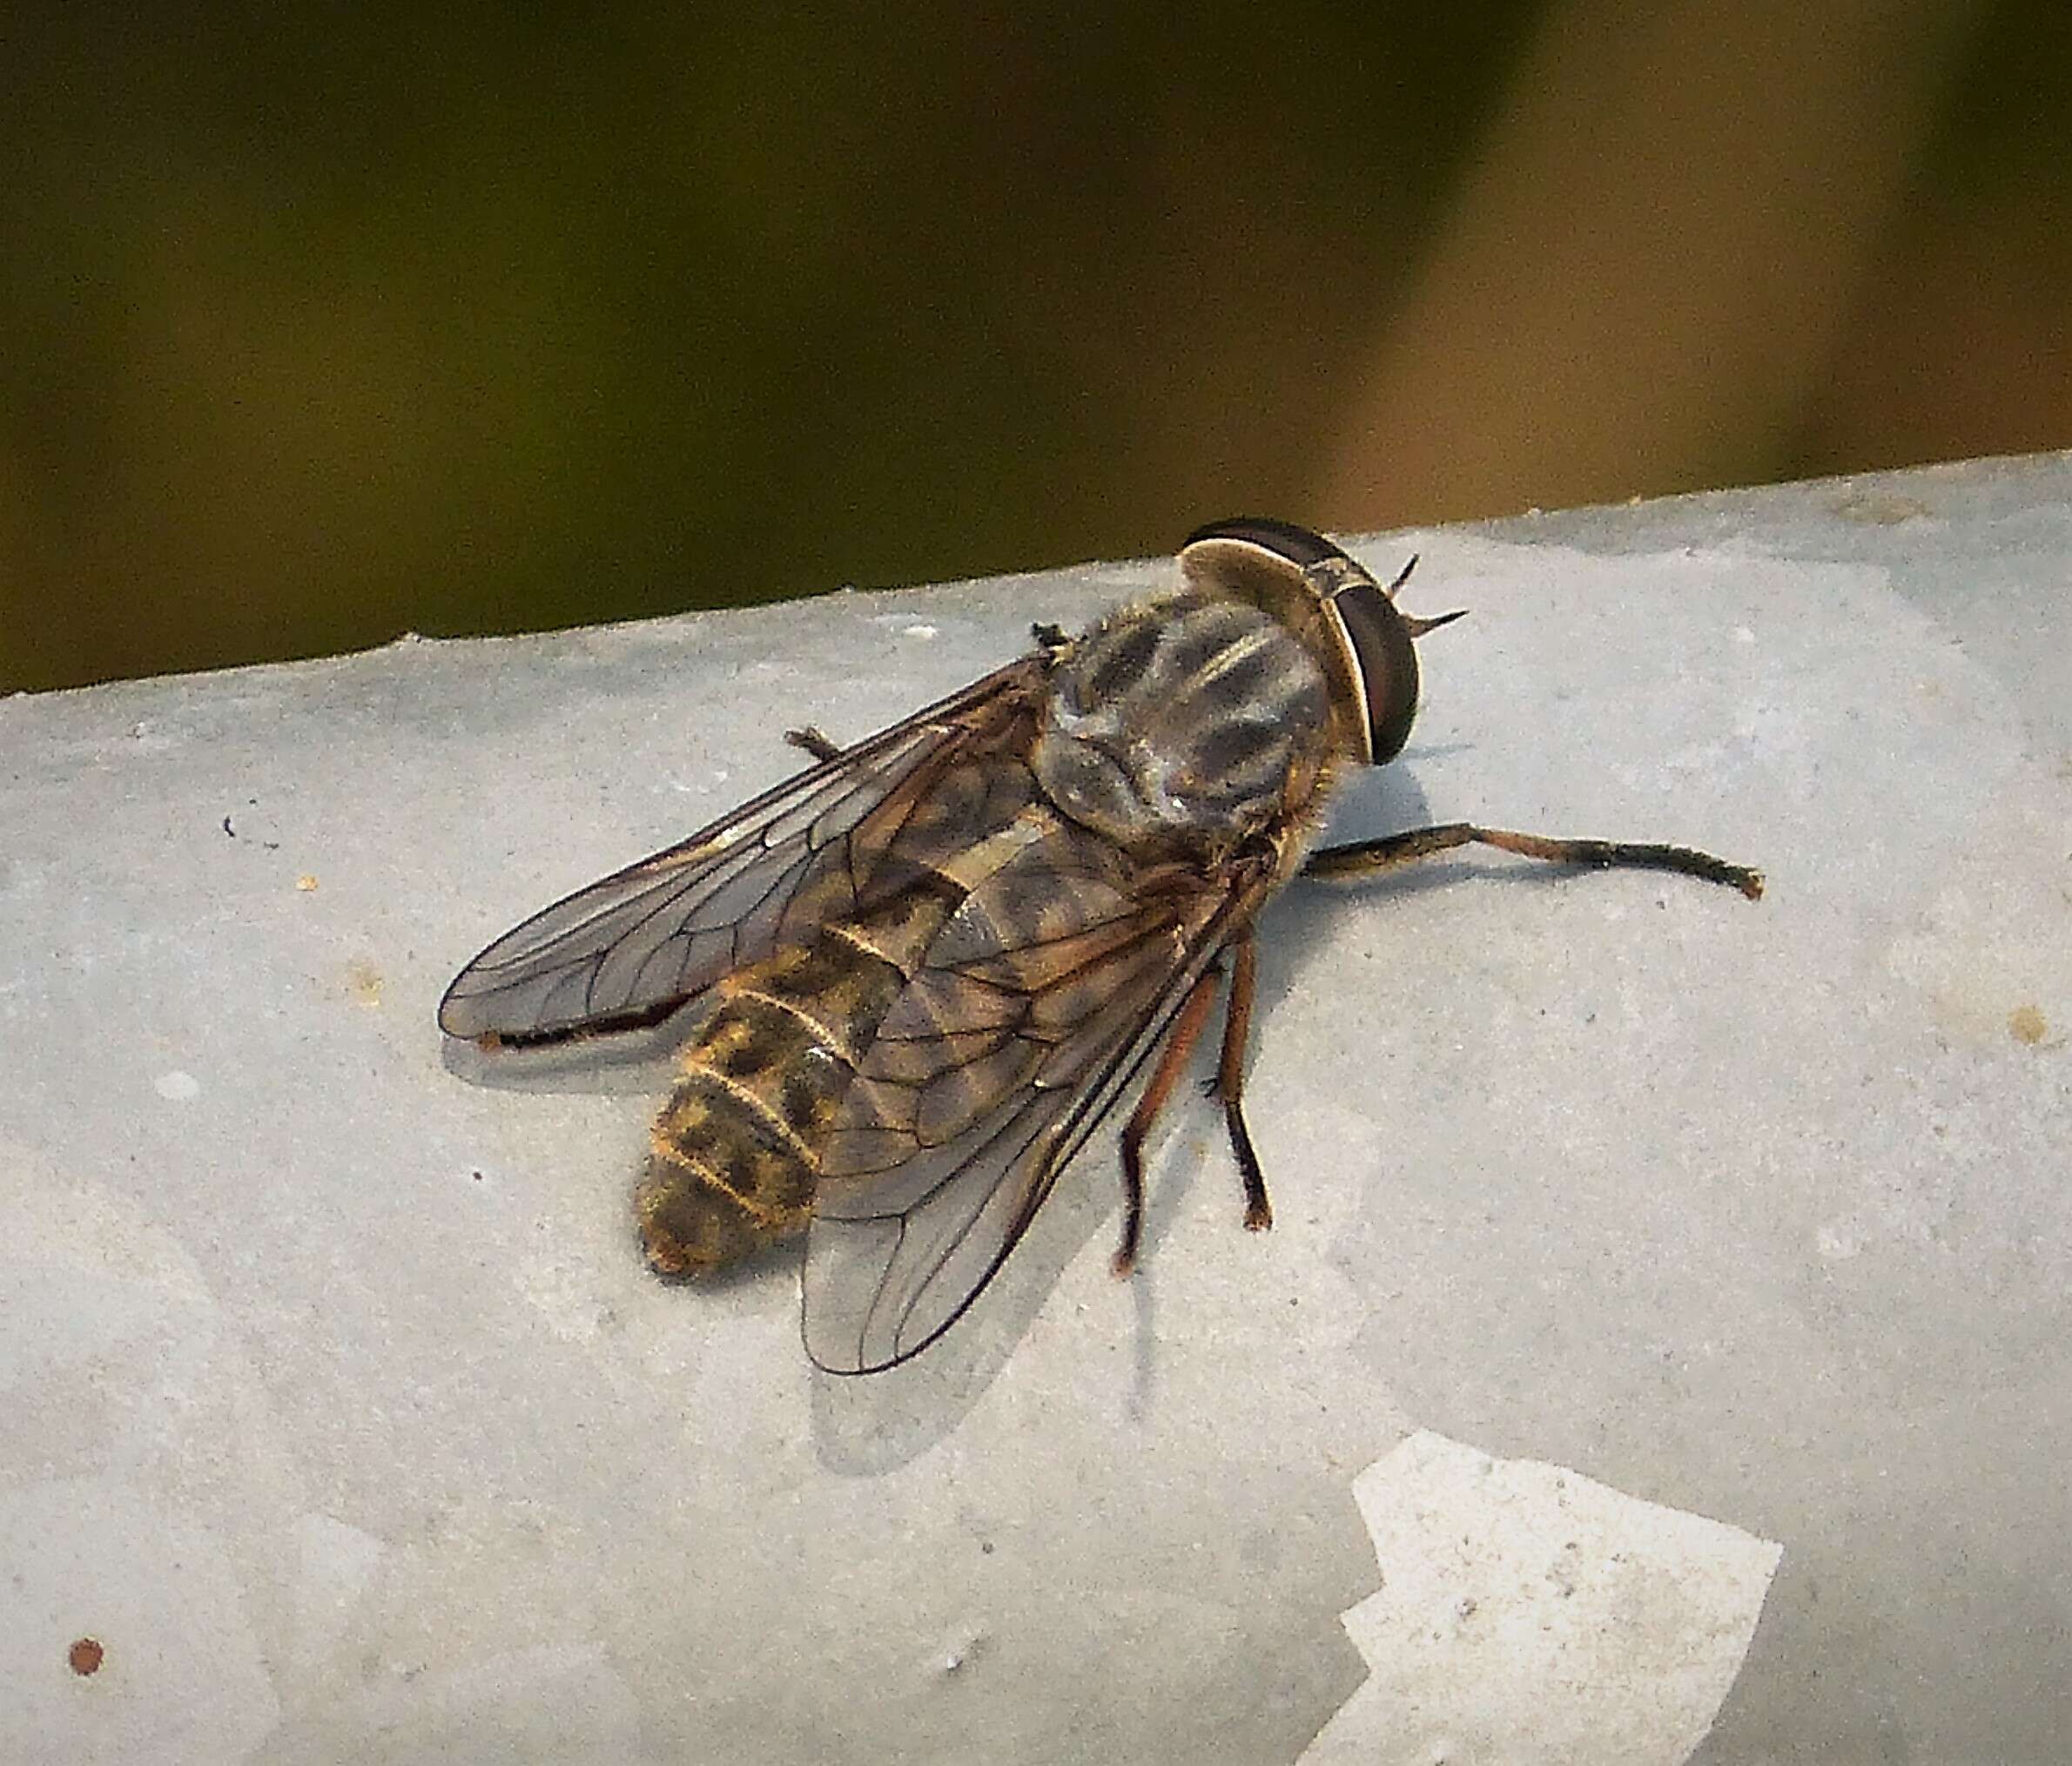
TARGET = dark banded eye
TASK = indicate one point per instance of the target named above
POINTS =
(1365, 642)
(1298, 545)
(1387, 660)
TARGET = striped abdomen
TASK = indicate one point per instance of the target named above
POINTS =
(737, 1149)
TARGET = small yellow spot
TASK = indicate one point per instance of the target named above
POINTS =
(363, 983)
(727, 1038)
(684, 1113)
(306, 884)
(2025, 1024)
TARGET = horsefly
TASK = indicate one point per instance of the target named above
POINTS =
(932, 964)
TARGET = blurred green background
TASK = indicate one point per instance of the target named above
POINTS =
(321, 324)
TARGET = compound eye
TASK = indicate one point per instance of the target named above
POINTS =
(1299, 546)
(1380, 639)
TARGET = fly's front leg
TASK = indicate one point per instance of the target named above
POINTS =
(1229, 1085)
(1187, 1025)
(1364, 856)
(814, 741)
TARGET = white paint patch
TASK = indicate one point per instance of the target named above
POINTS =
(1528, 1613)
(176, 1087)
(918, 631)
(1837, 1240)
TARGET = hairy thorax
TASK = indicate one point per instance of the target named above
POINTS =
(1192, 723)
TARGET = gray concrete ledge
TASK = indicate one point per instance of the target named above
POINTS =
(1680, 1279)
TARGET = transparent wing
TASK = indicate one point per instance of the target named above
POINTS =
(635, 947)
(1037, 1005)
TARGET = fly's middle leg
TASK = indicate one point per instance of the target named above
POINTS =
(1228, 1084)
(1188, 1026)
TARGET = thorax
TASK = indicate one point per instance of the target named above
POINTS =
(1192, 721)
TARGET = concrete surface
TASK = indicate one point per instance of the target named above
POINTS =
(342, 1421)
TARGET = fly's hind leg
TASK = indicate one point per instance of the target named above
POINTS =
(814, 741)
(1228, 1084)
(1364, 856)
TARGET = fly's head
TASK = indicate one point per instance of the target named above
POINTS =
(1349, 622)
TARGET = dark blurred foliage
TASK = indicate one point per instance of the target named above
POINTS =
(321, 324)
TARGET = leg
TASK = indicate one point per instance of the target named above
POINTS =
(1229, 1085)
(1420, 843)
(814, 743)
(1187, 1025)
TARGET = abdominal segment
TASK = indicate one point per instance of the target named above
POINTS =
(735, 1151)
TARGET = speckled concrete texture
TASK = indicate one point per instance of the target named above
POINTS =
(343, 1419)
